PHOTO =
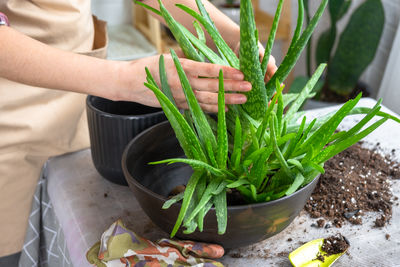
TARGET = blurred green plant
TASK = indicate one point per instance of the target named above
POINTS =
(264, 149)
(355, 50)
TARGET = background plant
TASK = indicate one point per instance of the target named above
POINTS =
(355, 50)
(263, 151)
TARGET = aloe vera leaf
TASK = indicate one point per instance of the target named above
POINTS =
(309, 128)
(271, 38)
(339, 147)
(200, 189)
(294, 107)
(237, 145)
(277, 151)
(221, 211)
(201, 215)
(173, 200)
(199, 118)
(205, 14)
(238, 183)
(196, 164)
(210, 153)
(190, 228)
(258, 172)
(250, 65)
(188, 194)
(158, 12)
(316, 166)
(284, 139)
(298, 181)
(299, 24)
(296, 140)
(320, 137)
(187, 47)
(365, 110)
(253, 191)
(164, 80)
(289, 98)
(212, 186)
(361, 123)
(292, 56)
(150, 78)
(217, 38)
(222, 136)
(279, 114)
(184, 133)
(200, 33)
(263, 126)
(203, 48)
(296, 163)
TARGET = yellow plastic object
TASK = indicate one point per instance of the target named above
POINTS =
(306, 255)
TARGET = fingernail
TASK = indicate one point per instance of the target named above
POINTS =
(242, 99)
(245, 86)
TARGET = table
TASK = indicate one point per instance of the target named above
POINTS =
(76, 205)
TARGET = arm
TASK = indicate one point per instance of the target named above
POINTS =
(28, 61)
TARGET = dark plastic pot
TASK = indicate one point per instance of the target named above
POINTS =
(151, 184)
(112, 124)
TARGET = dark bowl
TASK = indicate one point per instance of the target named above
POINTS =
(151, 184)
(112, 124)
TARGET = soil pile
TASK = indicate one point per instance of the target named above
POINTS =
(356, 181)
(335, 244)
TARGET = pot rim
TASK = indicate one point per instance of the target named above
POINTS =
(107, 114)
(130, 178)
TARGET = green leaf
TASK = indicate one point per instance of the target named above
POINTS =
(321, 136)
(250, 65)
(184, 133)
(296, 163)
(296, 184)
(222, 149)
(164, 80)
(237, 145)
(217, 38)
(339, 147)
(188, 194)
(199, 118)
(196, 164)
(304, 93)
(271, 38)
(158, 12)
(173, 200)
(292, 56)
(221, 211)
(212, 186)
(187, 48)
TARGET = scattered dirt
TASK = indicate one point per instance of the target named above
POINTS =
(387, 236)
(105, 195)
(251, 253)
(356, 181)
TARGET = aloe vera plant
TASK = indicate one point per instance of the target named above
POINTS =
(265, 151)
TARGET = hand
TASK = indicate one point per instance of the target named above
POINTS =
(205, 89)
(271, 66)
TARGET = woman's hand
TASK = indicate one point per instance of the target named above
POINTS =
(271, 67)
(133, 75)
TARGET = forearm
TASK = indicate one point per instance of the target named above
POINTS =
(228, 29)
(28, 61)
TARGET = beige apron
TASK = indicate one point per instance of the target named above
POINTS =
(37, 123)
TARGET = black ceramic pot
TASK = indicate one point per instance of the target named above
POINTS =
(151, 184)
(112, 124)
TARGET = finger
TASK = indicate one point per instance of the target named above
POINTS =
(197, 69)
(212, 98)
(212, 85)
(271, 68)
